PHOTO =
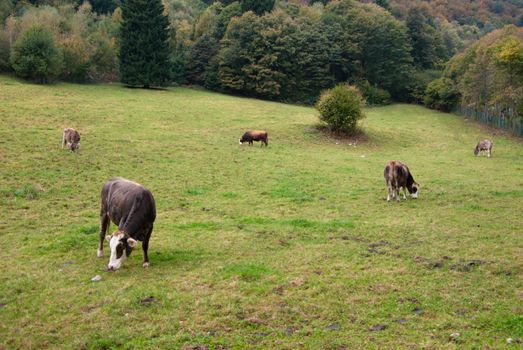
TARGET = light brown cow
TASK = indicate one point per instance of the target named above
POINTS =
(485, 145)
(397, 176)
(71, 139)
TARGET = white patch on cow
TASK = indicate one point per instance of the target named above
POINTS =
(240, 142)
(145, 264)
(114, 263)
(415, 195)
(99, 253)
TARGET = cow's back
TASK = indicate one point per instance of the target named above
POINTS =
(71, 135)
(485, 144)
(119, 195)
(257, 135)
(401, 173)
(396, 173)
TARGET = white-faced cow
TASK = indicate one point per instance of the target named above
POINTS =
(71, 138)
(131, 207)
(397, 176)
(255, 135)
(485, 145)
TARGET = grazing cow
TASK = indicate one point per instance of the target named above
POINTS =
(131, 207)
(71, 138)
(485, 145)
(397, 176)
(255, 135)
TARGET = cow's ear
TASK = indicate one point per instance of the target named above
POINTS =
(108, 238)
(131, 242)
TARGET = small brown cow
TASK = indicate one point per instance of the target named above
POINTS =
(71, 138)
(485, 145)
(397, 176)
(255, 135)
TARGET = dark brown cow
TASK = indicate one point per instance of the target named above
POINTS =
(397, 176)
(131, 207)
(71, 138)
(255, 135)
(485, 145)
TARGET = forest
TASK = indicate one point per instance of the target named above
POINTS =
(440, 53)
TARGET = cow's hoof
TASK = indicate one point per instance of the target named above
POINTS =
(145, 264)
(100, 253)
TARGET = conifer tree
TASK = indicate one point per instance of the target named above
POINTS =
(144, 48)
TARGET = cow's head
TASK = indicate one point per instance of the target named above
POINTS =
(241, 141)
(414, 190)
(476, 150)
(121, 247)
(75, 146)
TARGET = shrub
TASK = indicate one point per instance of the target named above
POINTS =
(341, 108)
(441, 94)
(374, 96)
(35, 55)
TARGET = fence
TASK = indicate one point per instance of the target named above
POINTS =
(514, 125)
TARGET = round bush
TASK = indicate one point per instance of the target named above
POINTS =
(341, 108)
(35, 55)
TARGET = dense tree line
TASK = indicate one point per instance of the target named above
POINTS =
(294, 51)
(484, 15)
(287, 50)
(488, 76)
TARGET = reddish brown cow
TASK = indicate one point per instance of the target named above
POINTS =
(255, 135)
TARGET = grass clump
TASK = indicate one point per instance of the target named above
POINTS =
(27, 191)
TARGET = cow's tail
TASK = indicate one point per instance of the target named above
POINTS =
(63, 138)
(267, 139)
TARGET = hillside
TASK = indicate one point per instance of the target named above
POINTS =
(483, 13)
(290, 246)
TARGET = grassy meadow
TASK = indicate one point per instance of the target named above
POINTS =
(287, 247)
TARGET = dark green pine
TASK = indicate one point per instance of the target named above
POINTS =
(144, 48)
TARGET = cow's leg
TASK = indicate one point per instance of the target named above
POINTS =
(104, 225)
(397, 190)
(145, 247)
(404, 193)
(63, 140)
(388, 190)
(489, 150)
(394, 193)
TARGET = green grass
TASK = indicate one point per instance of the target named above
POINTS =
(287, 247)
